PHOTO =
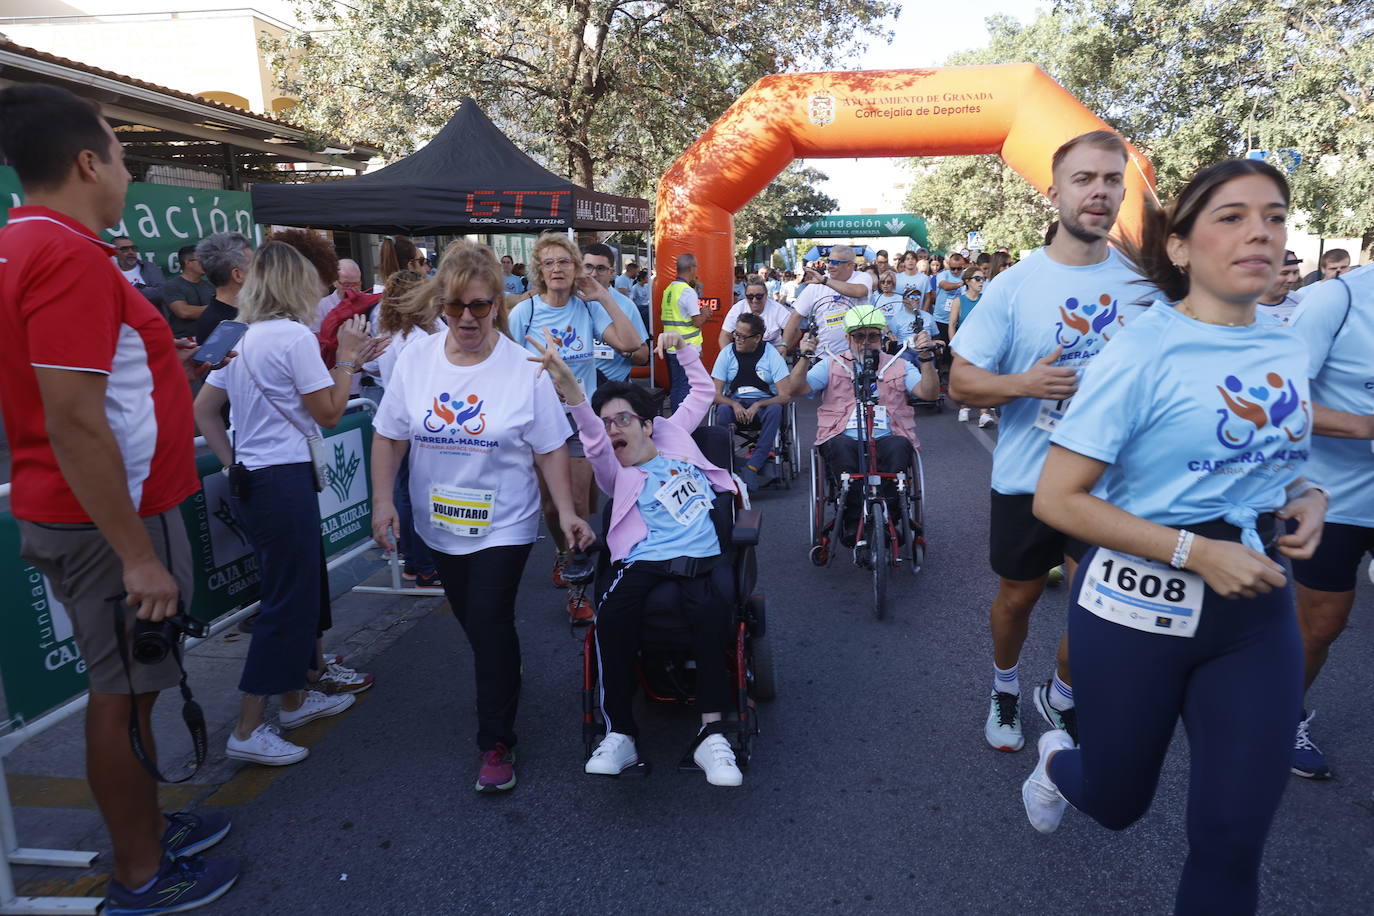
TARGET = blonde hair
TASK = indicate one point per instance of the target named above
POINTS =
(281, 283)
(552, 240)
(399, 313)
(460, 264)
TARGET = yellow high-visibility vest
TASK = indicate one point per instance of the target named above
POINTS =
(674, 320)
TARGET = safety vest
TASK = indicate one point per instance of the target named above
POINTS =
(672, 319)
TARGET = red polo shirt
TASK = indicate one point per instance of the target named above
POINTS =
(64, 305)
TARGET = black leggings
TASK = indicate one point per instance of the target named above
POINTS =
(844, 455)
(617, 639)
(1238, 686)
(480, 588)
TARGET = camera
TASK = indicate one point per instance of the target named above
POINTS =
(153, 640)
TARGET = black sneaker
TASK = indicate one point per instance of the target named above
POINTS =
(1066, 719)
(180, 885)
(190, 834)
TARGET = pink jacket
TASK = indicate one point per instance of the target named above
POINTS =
(672, 437)
(837, 403)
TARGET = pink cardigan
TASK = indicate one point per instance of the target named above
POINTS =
(672, 437)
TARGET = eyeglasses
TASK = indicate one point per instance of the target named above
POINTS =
(755, 297)
(126, 248)
(478, 308)
(621, 420)
(556, 262)
(979, 279)
(834, 263)
(870, 337)
(739, 336)
(595, 268)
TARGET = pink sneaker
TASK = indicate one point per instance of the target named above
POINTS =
(496, 769)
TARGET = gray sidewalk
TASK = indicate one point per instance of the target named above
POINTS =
(45, 776)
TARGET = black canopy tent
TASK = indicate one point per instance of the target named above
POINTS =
(469, 178)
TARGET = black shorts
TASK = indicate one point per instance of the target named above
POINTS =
(1336, 564)
(1020, 546)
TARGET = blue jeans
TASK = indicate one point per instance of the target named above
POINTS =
(1237, 684)
(411, 545)
(281, 515)
(679, 386)
(770, 418)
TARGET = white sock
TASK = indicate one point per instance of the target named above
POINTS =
(1061, 694)
(1006, 680)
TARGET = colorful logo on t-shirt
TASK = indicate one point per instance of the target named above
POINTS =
(1082, 324)
(1251, 408)
(466, 414)
(567, 338)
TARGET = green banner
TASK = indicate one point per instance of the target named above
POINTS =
(162, 218)
(39, 663)
(861, 226)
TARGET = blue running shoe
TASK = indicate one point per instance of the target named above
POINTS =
(190, 834)
(180, 885)
(1308, 761)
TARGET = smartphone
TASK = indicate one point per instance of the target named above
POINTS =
(221, 340)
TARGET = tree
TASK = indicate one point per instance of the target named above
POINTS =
(603, 91)
(962, 194)
(763, 221)
(1191, 82)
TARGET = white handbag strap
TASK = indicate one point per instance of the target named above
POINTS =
(243, 361)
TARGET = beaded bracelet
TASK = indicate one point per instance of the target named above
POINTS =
(1182, 549)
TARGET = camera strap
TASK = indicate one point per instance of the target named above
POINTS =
(191, 712)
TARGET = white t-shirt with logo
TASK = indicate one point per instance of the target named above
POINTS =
(134, 275)
(827, 308)
(285, 359)
(473, 434)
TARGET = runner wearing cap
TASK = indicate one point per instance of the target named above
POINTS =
(837, 419)
(1022, 350)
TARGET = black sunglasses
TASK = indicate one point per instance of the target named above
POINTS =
(755, 296)
(479, 308)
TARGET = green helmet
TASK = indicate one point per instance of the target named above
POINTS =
(864, 316)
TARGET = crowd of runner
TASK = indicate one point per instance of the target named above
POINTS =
(1180, 433)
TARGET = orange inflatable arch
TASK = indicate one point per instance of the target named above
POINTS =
(1013, 110)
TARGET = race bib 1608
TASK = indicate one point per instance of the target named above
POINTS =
(1142, 594)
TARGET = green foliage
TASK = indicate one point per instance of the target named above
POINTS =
(1190, 82)
(605, 92)
(763, 221)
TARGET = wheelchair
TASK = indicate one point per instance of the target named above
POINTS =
(891, 532)
(785, 455)
(667, 672)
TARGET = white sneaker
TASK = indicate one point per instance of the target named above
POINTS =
(986, 420)
(1003, 726)
(717, 759)
(612, 756)
(1044, 805)
(266, 746)
(316, 706)
(963, 414)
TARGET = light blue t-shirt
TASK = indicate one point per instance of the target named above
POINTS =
(771, 368)
(774, 288)
(913, 285)
(899, 320)
(1338, 336)
(575, 326)
(1033, 308)
(818, 377)
(1197, 421)
(616, 367)
(944, 297)
(515, 286)
(639, 294)
(668, 536)
(622, 283)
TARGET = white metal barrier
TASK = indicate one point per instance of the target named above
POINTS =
(11, 853)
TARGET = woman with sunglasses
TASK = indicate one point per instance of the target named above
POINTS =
(478, 422)
(663, 487)
(975, 278)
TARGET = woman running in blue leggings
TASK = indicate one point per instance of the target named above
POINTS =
(1194, 420)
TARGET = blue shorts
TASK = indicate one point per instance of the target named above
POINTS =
(1336, 564)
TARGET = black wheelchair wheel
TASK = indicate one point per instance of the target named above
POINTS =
(879, 556)
(765, 678)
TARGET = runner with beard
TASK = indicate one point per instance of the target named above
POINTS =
(1023, 349)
